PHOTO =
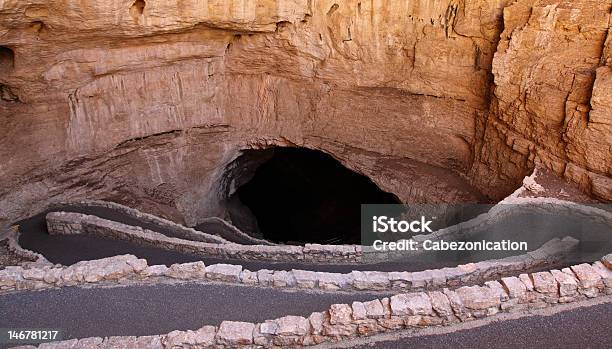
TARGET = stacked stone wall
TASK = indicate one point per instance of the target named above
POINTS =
(87, 272)
(415, 310)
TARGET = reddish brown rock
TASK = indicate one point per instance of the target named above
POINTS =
(148, 104)
(551, 98)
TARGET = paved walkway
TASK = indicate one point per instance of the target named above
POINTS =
(147, 310)
(69, 249)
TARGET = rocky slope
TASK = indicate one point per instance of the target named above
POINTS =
(147, 102)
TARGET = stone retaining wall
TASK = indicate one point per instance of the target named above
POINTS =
(224, 232)
(403, 311)
(128, 267)
(221, 227)
(350, 254)
(548, 255)
(71, 223)
(15, 278)
(78, 223)
(29, 259)
(176, 229)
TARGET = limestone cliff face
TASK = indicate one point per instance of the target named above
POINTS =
(147, 102)
(552, 95)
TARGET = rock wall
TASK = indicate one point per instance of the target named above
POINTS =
(147, 102)
(219, 230)
(551, 102)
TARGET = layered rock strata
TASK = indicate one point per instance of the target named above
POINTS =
(147, 102)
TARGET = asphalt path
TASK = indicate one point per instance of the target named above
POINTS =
(147, 310)
(587, 327)
(70, 249)
(158, 309)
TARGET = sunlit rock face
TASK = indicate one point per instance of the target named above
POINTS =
(552, 99)
(148, 103)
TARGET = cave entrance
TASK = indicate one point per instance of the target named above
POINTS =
(299, 195)
(7, 59)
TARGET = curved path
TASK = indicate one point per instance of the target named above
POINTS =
(69, 249)
(587, 327)
(157, 309)
(147, 310)
(137, 310)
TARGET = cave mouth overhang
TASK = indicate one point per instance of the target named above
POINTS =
(298, 195)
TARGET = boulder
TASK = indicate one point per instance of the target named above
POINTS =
(477, 297)
(340, 314)
(185, 271)
(292, 326)
(234, 333)
(411, 304)
(224, 272)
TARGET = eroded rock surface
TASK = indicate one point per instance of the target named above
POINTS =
(551, 100)
(146, 103)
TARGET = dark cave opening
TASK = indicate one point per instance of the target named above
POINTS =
(7, 59)
(299, 195)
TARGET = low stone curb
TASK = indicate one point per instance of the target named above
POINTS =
(232, 233)
(32, 259)
(177, 229)
(403, 311)
(117, 268)
(127, 267)
(77, 223)
(221, 227)
(346, 254)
